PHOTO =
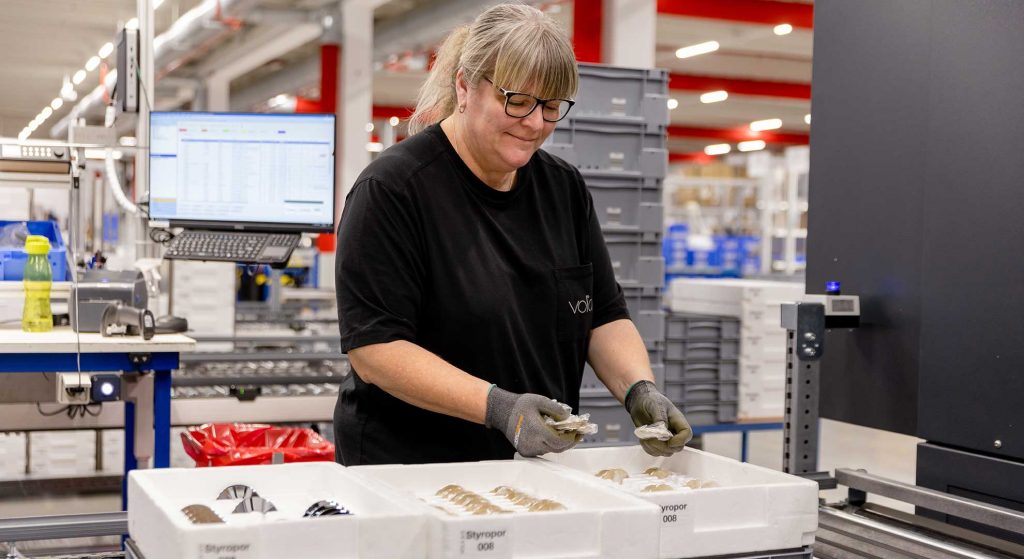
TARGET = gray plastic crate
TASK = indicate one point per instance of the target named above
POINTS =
(642, 298)
(710, 413)
(592, 387)
(635, 93)
(610, 147)
(636, 259)
(696, 393)
(627, 204)
(613, 422)
(651, 325)
(709, 350)
(701, 371)
(698, 327)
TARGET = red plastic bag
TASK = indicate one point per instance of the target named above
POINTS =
(243, 444)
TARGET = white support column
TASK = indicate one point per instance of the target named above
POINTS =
(355, 96)
(136, 226)
(629, 32)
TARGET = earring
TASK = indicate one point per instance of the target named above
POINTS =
(462, 109)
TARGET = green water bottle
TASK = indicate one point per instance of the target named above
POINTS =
(37, 316)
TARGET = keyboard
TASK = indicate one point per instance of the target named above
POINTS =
(233, 246)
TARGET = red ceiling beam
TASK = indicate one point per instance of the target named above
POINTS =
(739, 86)
(740, 134)
(587, 27)
(769, 12)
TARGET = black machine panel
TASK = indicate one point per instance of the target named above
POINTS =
(917, 205)
(971, 476)
(864, 195)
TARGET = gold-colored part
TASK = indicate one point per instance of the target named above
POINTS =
(657, 487)
(546, 505)
(449, 490)
(613, 474)
(709, 483)
(693, 483)
(202, 514)
(658, 473)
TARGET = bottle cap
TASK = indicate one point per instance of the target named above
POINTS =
(37, 244)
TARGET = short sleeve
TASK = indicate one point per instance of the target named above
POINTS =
(610, 303)
(380, 267)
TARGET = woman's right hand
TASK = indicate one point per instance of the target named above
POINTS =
(521, 418)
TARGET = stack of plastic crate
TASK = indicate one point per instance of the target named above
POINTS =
(615, 136)
(702, 366)
(761, 350)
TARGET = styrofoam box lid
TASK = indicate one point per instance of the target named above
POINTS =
(753, 509)
(381, 524)
(599, 522)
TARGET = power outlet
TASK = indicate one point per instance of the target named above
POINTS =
(73, 388)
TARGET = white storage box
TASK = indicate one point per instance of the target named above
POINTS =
(763, 348)
(62, 453)
(13, 457)
(753, 509)
(112, 444)
(599, 522)
(381, 525)
(762, 401)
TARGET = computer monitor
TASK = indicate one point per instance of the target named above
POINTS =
(242, 171)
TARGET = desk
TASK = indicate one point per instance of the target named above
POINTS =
(146, 396)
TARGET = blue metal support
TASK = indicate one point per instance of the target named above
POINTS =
(743, 429)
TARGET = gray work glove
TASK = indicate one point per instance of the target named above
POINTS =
(521, 418)
(646, 406)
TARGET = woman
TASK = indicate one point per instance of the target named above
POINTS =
(473, 281)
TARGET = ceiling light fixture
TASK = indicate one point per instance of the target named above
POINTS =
(106, 49)
(47, 111)
(78, 78)
(92, 63)
(768, 124)
(783, 29)
(714, 96)
(56, 103)
(369, 127)
(393, 121)
(752, 145)
(698, 49)
(673, 104)
(374, 147)
(717, 149)
(132, 23)
(807, 118)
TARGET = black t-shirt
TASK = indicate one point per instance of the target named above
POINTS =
(503, 285)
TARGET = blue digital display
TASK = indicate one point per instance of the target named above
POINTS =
(833, 287)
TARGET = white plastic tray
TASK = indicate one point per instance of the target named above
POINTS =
(599, 522)
(381, 525)
(754, 509)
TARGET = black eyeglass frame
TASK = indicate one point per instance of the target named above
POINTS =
(537, 102)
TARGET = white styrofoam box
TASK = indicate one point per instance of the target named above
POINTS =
(62, 453)
(179, 458)
(13, 457)
(757, 348)
(112, 444)
(728, 297)
(761, 402)
(753, 509)
(381, 523)
(599, 522)
(770, 373)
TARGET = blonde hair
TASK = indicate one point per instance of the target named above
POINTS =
(516, 46)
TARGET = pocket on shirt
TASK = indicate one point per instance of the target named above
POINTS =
(575, 304)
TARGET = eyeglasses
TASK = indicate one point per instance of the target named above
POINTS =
(521, 105)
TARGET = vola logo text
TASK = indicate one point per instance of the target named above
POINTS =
(582, 306)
